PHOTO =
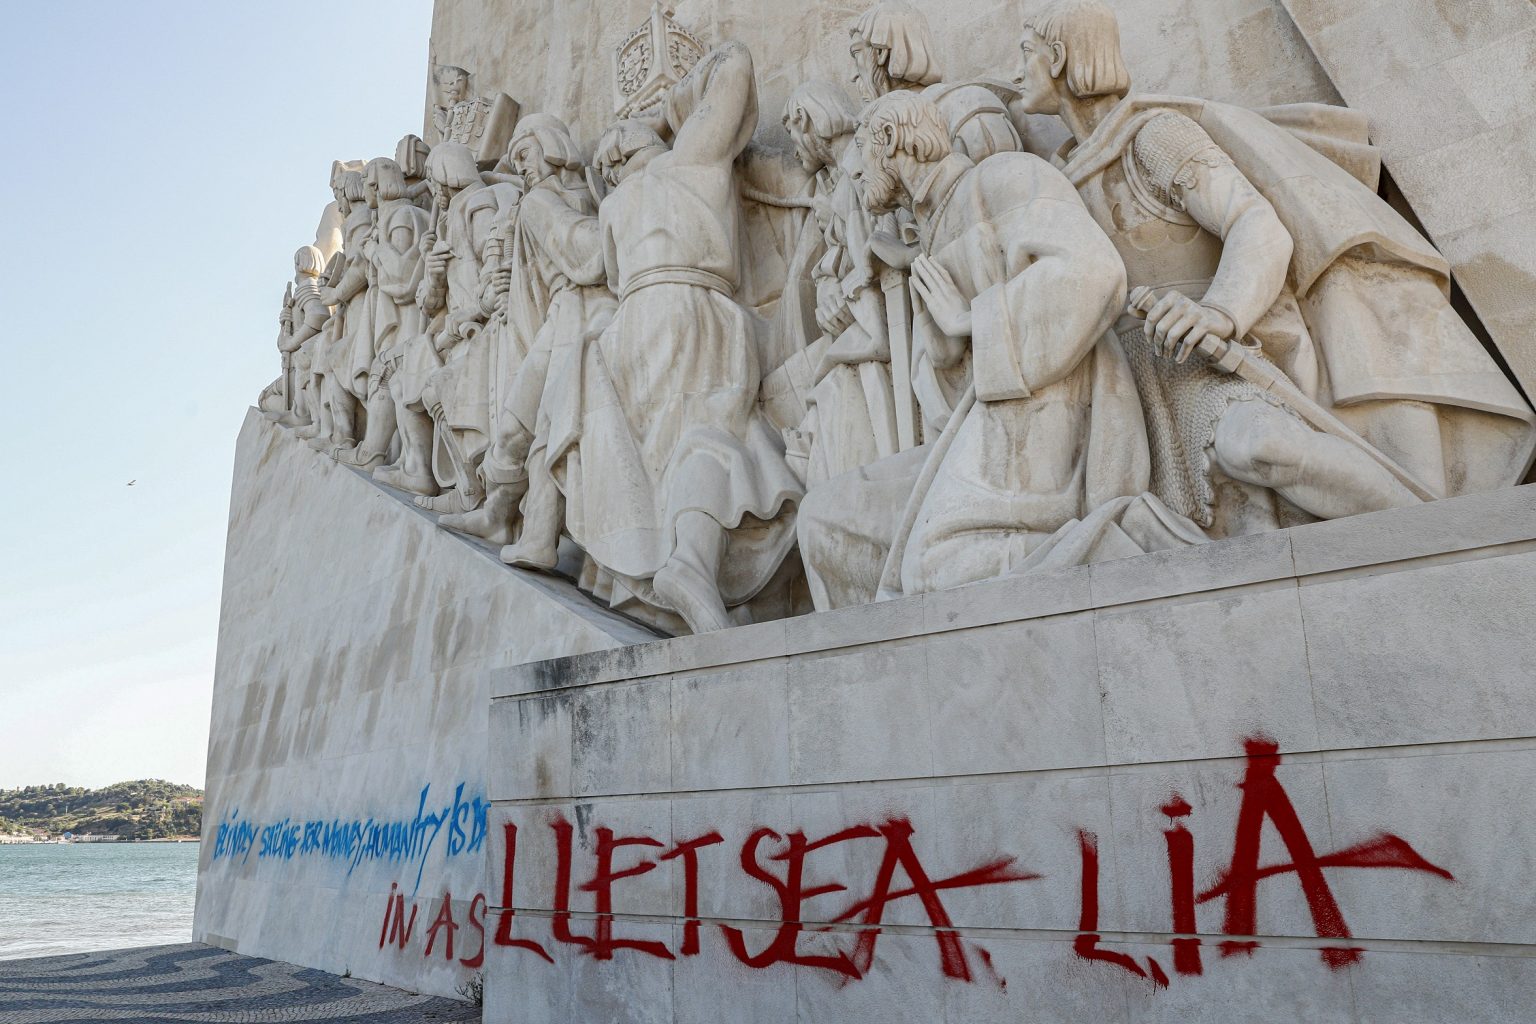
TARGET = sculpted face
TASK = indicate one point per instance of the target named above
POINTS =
(1040, 62)
(868, 73)
(455, 87)
(528, 161)
(371, 190)
(810, 149)
(877, 178)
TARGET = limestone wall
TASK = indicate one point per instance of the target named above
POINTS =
(557, 55)
(1450, 87)
(347, 753)
(1283, 778)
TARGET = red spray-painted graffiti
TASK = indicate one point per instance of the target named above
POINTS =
(1264, 798)
(779, 862)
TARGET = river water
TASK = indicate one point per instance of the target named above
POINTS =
(74, 898)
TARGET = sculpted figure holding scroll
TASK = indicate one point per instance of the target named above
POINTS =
(350, 347)
(334, 407)
(1345, 382)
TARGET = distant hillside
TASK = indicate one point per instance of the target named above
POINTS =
(146, 809)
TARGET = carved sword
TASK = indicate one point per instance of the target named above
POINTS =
(1234, 358)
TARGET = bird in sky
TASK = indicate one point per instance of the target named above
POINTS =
(133, 481)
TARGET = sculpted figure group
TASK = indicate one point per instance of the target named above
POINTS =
(714, 382)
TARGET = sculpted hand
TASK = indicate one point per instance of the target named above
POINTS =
(949, 309)
(822, 211)
(501, 281)
(833, 315)
(328, 297)
(1177, 325)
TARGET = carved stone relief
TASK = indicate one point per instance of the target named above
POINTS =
(715, 381)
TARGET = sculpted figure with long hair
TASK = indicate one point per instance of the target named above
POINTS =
(1233, 229)
(457, 394)
(394, 270)
(550, 289)
(851, 417)
(892, 48)
(1015, 274)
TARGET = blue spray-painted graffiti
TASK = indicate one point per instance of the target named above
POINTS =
(360, 840)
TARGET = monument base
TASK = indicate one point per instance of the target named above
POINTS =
(347, 759)
(1276, 778)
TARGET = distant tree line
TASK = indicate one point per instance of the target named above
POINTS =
(144, 809)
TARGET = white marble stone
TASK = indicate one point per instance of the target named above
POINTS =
(338, 695)
(1101, 405)
(1063, 718)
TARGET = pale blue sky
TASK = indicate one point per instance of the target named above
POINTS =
(161, 163)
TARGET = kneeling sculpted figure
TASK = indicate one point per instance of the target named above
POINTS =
(1235, 230)
(1013, 269)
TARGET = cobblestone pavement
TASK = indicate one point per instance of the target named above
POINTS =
(193, 982)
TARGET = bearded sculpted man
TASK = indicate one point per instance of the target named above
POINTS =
(675, 484)
(553, 294)
(851, 420)
(893, 50)
(1014, 269)
(394, 270)
(1244, 234)
(457, 395)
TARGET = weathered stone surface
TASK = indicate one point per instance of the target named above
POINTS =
(556, 56)
(1329, 713)
(1448, 89)
(355, 647)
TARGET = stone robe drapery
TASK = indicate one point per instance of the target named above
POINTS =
(352, 356)
(670, 421)
(560, 300)
(463, 383)
(398, 268)
(1055, 429)
(1372, 292)
(851, 413)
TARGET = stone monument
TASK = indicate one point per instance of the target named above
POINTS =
(1016, 536)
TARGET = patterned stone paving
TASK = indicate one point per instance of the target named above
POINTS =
(193, 982)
